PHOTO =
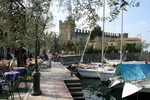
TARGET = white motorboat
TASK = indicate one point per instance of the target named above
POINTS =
(132, 78)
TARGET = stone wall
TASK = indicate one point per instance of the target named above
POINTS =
(68, 60)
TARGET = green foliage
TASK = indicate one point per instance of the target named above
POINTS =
(96, 32)
(110, 49)
(76, 44)
(132, 48)
(91, 50)
(128, 47)
(70, 21)
(23, 20)
(69, 46)
(20, 17)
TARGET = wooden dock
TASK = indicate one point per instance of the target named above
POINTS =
(56, 83)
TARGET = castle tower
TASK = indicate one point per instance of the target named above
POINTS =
(67, 29)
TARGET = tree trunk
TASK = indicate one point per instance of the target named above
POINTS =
(20, 57)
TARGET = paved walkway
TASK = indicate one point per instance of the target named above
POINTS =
(52, 84)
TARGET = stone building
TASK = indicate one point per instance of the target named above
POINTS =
(113, 40)
(4, 36)
(133, 40)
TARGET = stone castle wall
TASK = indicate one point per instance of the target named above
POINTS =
(71, 32)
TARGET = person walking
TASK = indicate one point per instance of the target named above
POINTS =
(50, 59)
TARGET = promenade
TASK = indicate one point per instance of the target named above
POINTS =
(51, 84)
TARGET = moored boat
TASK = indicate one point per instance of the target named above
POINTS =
(97, 71)
(132, 78)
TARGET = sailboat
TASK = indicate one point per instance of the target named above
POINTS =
(113, 62)
(104, 72)
(100, 70)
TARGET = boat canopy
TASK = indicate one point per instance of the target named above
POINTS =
(133, 72)
(146, 69)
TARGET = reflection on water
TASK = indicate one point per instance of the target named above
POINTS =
(90, 82)
(92, 91)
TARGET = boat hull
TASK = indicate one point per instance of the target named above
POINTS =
(136, 96)
(104, 76)
(144, 92)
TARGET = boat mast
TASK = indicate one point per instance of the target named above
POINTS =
(121, 45)
(81, 60)
(102, 53)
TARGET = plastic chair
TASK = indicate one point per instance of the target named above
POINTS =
(4, 94)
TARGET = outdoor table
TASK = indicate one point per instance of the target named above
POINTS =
(22, 70)
(10, 76)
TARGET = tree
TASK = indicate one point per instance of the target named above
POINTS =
(79, 44)
(69, 46)
(90, 50)
(20, 21)
(130, 47)
(41, 16)
(96, 32)
(111, 49)
(13, 16)
(98, 43)
(118, 46)
(142, 45)
(47, 42)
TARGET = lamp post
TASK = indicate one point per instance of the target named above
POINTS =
(55, 42)
(36, 74)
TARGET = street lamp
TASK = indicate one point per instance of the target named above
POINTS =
(36, 74)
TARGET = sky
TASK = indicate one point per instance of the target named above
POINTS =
(136, 20)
